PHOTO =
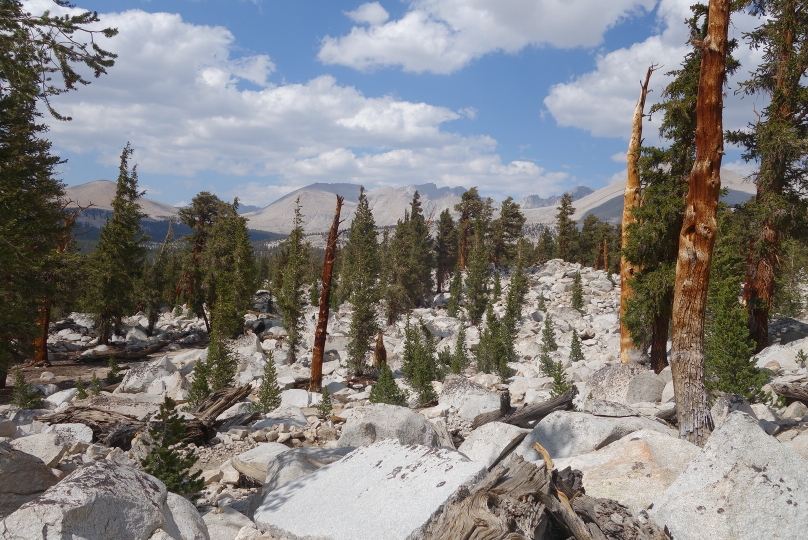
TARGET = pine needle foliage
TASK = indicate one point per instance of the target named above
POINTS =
(290, 301)
(200, 387)
(548, 337)
(477, 276)
(555, 369)
(576, 351)
(419, 365)
(577, 293)
(113, 375)
(81, 392)
(95, 385)
(386, 390)
(166, 461)
(325, 406)
(541, 303)
(496, 292)
(24, 396)
(269, 393)
(495, 349)
(455, 293)
(459, 358)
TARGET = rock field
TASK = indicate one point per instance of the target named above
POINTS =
(375, 471)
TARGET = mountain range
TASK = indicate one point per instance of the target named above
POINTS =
(388, 204)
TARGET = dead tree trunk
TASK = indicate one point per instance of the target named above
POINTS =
(379, 353)
(325, 299)
(659, 342)
(631, 200)
(697, 237)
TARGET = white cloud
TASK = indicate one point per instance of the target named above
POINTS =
(177, 94)
(619, 157)
(602, 101)
(442, 36)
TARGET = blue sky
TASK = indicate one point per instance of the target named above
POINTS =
(255, 98)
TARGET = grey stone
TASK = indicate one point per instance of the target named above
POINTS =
(744, 485)
(634, 470)
(796, 410)
(46, 446)
(254, 462)
(7, 428)
(612, 382)
(100, 500)
(225, 523)
(599, 407)
(285, 415)
(468, 398)
(372, 423)
(799, 444)
(491, 442)
(420, 479)
(727, 404)
(71, 433)
(183, 520)
(63, 396)
(24, 477)
(140, 377)
(566, 434)
(645, 387)
(238, 409)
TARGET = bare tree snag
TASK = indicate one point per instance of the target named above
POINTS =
(325, 299)
(631, 199)
(380, 352)
(697, 237)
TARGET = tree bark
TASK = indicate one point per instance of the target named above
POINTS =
(380, 352)
(659, 342)
(697, 237)
(325, 298)
(631, 200)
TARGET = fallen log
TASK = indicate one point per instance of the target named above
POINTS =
(101, 421)
(791, 392)
(219, 401)
(529, 413)
(125, 355)
(518, 500)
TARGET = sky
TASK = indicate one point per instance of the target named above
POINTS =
(256, 98)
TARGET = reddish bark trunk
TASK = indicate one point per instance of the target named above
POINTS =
(659, 343)
(325, 299)
(697, 237)
(631, 200)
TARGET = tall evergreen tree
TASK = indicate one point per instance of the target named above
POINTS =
(115, 265)
(547, 248)
(419, 365)
(478, 276)
(577, 301)
(455, 293)
(471, 208)
(446, 245)
(360, 281)
(290, 297)
(505, 232)
(777, 141)
(576, 352)
(459, 358)
(566, 230)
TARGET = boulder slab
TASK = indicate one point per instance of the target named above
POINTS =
(23, 478)
(372, 423)
(420, 479)
(491, 442)
(468, 398)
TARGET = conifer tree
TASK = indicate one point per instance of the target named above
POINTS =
(566, 230)
(455, 293)
(153, 286)
(477, 277)
(24, 396)
(314, 293)
(95, 385)
(200, 387)
(471, 209)
(81, 392)
(113, 375)
(547, 248)
(517, 291)
(419, 366)
(165, 461)
(576, 352)
(269, 393)
(325, 406)
(220, 361)
(577, 293)
(115, 265)
(505, 232)
(459, 359)
(361, 266)
(386, 390)
(445, 249)
(496, 291)
(548, 337)
(290, 300)
(541, 303)
(555, 369)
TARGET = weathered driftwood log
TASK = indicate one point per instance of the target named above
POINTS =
(125, 355)
(529, 413)
(791, 391)
(101, 421)
(518, 501)
(219, 401)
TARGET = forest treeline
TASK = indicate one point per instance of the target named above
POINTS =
(749, 260)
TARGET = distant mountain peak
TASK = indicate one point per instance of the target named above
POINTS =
(534, 201)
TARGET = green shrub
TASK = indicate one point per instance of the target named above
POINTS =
(325, 406)
(24, 396)
(269, 393)
(386, 390)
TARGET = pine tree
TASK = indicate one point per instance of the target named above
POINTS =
(325, 406)
(496, 291)
(577, 293)
(116, 263)
(361, 266)
(445, 248)
(471, 209)
(554, 369)
(24, 396)
(166, 461)
(576, 351)
(505, 232)
(314, 293)
(419, 366)
(386, 390)
(566, 230)
(113, 375)
(515, 299)
(290, 300)
(455, 293)
(459, 359)
(200, 387)
(477, 277)
(269, 393)
(548, 337)
(95, 385)
(541, 303)
(547, 248)
(81, 393)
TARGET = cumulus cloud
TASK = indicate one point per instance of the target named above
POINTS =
(178, 94)
(442, 36)
(602, 101)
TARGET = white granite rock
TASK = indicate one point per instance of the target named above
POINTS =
(182, 520)
(24, 477)
(71, 433)
(254, 462)
(371, 423)
(46, 446)
(138, 378)
(225, 523)
(491, 442)
(467, 398)
(420, 479)
(63, 396)
(286, 415)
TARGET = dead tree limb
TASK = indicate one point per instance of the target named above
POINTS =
(791, 391)
(529, 413)
(325, 299)
(219, 401)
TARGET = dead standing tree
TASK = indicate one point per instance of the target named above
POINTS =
(697, 237)
(631, 199)
(325, 299)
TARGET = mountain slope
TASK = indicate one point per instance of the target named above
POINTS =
(101, 192)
